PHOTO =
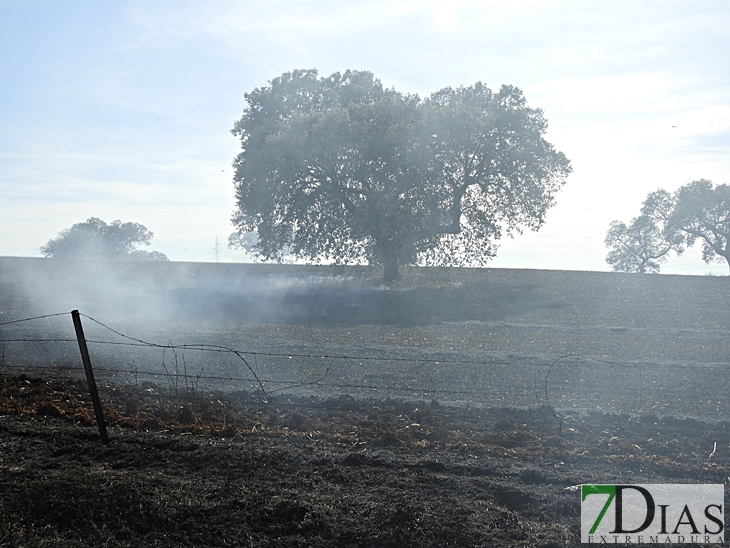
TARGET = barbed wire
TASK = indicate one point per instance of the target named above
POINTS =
(40, 340)
(52, 368)
(218, 348)
(437, 361)
(171, 346)
(35, 318)
(214, 348)
(291, 384)
(270, 386)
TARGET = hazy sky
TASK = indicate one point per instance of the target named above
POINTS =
(123, 110)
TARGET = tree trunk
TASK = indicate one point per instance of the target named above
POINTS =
(391, 270)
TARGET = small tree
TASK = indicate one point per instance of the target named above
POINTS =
(702, 212)
(95, 239)
(696, 211)
(638, 247)
(141, 255)
(341, 168)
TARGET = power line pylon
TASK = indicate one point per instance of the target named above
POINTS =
(217, 250)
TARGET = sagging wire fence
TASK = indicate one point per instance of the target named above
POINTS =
(174, 366)
(288, 376)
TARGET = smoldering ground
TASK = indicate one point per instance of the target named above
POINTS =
(222, 294)
(586, 340)
(461, 407)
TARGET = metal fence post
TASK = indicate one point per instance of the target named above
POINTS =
(90, 376)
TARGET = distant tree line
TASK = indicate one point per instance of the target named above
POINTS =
(95, 239)
(696, 212)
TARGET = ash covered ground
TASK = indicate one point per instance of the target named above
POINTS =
(457, 408)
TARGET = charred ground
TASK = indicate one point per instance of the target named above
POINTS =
(219, 466)
(219, 470)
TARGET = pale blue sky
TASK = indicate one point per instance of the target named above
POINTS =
(122, 110)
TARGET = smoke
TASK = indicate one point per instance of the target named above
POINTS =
(459, 335)
(207, 294)
(160, 302)
(110, 289)
(149, 292)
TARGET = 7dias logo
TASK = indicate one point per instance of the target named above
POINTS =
(659, 513)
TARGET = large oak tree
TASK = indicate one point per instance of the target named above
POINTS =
(341, 168)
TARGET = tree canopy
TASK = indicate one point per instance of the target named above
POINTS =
(95, 239)
(638, 247)
(697, 211)
(702, 212)
(341, 168)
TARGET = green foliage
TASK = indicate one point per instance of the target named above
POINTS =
(702, 212)
(341, 168)
(95, 239)
(141, 255)
(638, 247)
(696, 211)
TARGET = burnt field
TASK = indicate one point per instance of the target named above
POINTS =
(459, 407)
